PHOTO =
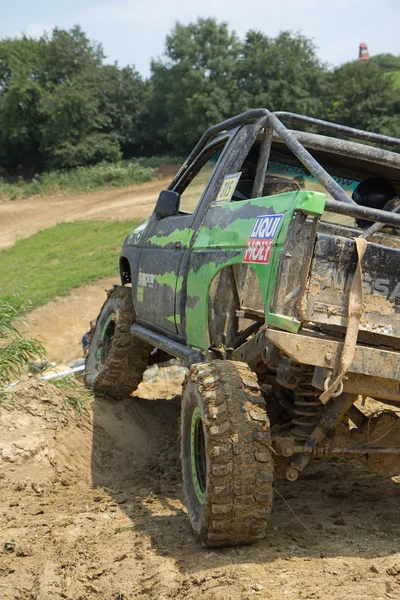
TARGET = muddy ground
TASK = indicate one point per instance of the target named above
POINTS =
(91, 505)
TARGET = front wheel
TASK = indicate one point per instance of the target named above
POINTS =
(226, 459)
(116, 360)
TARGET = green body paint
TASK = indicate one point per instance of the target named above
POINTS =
(178, 235)
(170, 279)
(232, 239)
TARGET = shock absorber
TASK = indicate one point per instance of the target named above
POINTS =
(307, 410)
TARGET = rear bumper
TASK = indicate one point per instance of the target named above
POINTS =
(374, 372)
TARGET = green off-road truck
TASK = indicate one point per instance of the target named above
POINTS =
(270, 266)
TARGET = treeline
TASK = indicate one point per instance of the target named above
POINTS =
(61, 106)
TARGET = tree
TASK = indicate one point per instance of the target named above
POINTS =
(193, 87)
(391, 65)
(282, 73)
(20, 95)
(73, 128)
(123, 97)
(362, 96)
(209, 75)
(387, 62)
(60, 107)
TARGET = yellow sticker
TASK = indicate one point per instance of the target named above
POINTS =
(228, 187)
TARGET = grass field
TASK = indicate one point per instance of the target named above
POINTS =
(56, 260)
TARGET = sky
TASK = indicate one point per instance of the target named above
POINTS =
(133, 31)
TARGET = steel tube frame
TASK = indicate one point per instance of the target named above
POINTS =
(309, 162)
(377, 226)
(357, 211)
(263, 161)
(342, 203)
(350, 132)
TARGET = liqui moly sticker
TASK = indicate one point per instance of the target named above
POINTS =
(259, 245)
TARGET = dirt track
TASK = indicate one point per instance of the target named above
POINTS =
(62, 322)
(91, 508)
(24, 217)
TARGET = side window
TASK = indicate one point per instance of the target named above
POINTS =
(190, 197)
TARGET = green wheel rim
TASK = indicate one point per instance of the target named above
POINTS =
(106, 337)
(198, 455)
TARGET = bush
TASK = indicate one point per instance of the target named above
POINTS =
(156, 161)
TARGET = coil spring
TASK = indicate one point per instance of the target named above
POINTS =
(307, 411)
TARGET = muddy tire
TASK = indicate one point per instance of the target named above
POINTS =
(225, 450)
(116, 360)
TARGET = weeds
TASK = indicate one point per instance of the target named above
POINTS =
(75, 397)
(82, 179)
(15, 349)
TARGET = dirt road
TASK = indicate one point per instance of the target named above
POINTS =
(92, 509)
(62, 322)
(24, 217)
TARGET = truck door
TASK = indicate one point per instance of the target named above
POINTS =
(161, 275)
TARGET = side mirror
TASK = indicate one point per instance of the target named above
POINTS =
(167, 204)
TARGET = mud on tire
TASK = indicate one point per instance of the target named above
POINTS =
(226, 461)
(116, 360)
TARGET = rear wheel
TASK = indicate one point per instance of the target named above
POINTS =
(226, 459)
(116, 360)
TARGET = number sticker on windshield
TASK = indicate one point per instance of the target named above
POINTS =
(228, 187)
(259, 245)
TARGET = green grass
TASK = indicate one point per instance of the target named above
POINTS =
(82, 179)
(56, 260)
(75, 397)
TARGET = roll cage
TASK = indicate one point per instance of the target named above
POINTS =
(296, 140)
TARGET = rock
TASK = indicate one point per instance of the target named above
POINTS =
(374, 569)
(393, 571)
(256, 587)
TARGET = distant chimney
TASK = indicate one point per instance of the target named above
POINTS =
(363, 53)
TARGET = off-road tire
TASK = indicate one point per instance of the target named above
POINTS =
(232, 504)
(118, 373)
